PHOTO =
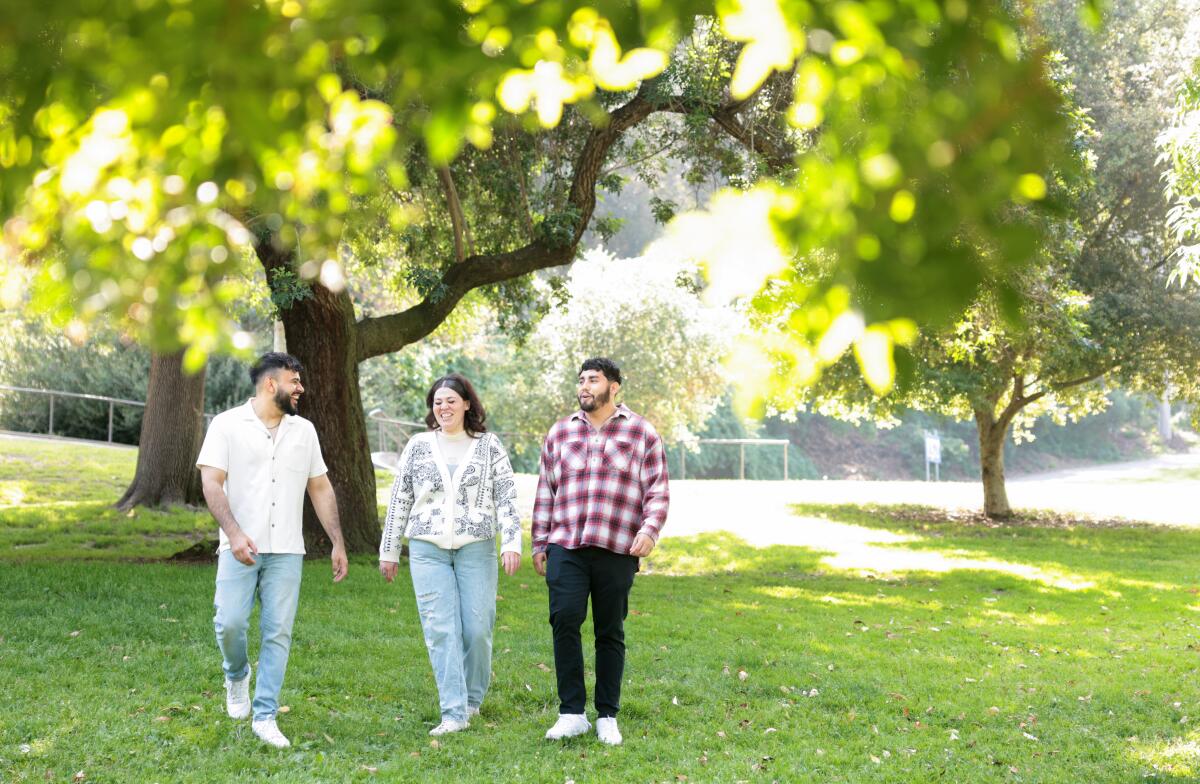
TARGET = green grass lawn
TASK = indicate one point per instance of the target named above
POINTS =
(910, 648)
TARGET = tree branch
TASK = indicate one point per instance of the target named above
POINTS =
(457, 219)
(526, 212)
(643, 159)
(1020, 400)
(385, 334)
(726, 116)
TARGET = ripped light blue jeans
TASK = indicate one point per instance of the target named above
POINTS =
(275, 580)
(456, 597)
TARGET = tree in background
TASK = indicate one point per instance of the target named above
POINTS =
(646, 315)
(1180, 152)
(1094, 306)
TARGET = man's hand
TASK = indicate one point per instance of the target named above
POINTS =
(642, 545)
(340, 564)
(539, 564)
(511, 562)
(388, 569)
(243, 548)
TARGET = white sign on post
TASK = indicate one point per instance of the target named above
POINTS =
(933, 454)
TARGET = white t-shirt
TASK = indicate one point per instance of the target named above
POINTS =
(454, 448)
(265, 477)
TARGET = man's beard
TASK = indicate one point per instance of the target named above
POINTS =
(284, 401)
(599, 401)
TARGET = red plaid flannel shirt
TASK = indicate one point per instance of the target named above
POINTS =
(600, 488)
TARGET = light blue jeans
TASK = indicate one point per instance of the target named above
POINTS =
(456, 598)
(275, 578)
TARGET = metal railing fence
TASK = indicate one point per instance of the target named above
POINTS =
(52, 394)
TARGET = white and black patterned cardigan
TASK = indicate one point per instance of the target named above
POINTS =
(481, 501)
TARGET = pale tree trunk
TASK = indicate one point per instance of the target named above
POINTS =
(172, 429)
(992, 434)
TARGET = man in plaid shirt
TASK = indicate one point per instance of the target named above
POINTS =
(601, 502)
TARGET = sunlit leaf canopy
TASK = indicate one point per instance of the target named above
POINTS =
(1180, 150)
(145, 143)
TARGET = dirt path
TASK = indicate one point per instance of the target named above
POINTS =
(759, 511)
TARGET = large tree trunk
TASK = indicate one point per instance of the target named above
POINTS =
(992, 435)
(320, 332)
(172, 428)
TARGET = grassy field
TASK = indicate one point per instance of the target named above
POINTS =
(941, 650)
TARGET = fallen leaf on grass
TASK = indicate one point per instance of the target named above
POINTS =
(80, 776)
(433, 744)
(541, 666)
(743, 675)
(75, 633)
(414, 754)
(328, 739)
(162, 718)
(370, 769)
(284, 709)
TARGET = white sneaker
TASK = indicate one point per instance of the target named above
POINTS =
(449, 725)
(237, 697)
(268, 731)
(568, 726)
(472, 710)
(607, 732)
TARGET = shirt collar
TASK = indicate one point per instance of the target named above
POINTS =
(247, 413)
(622, 411)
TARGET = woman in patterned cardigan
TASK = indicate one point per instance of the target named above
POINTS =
(453, 495)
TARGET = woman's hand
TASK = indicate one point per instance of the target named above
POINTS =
(511, 561)
(388, 569)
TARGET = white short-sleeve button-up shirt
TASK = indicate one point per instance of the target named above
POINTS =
(265, 477)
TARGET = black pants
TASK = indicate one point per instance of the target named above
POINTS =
(573, 575)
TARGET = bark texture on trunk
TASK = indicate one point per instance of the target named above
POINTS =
(992, 433)
(321, 333)
(172, 429)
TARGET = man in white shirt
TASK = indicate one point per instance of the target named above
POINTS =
(256, 463)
